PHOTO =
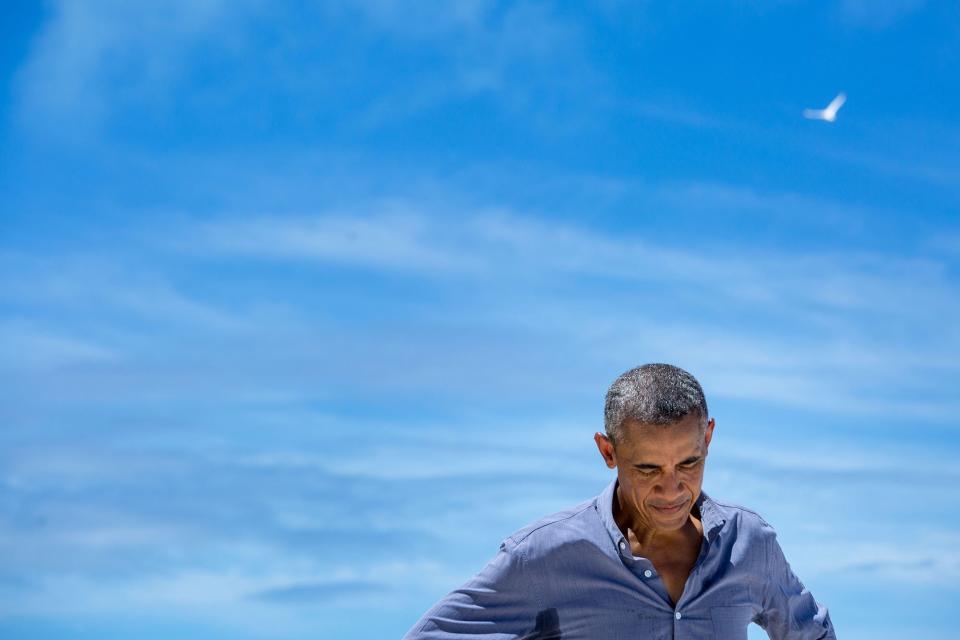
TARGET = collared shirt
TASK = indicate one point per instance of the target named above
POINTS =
(572, 576)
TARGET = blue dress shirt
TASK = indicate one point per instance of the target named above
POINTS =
(572, 576)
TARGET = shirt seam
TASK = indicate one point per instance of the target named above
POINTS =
(739, 508)
(519, 541)
(766, 583)
(524, 561)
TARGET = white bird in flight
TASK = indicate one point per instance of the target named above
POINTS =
(830, 113)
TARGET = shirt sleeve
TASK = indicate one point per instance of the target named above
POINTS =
(496, 604)
(790, 611)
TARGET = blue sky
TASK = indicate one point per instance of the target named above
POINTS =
(306, 306)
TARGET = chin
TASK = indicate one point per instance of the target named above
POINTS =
(673, 523)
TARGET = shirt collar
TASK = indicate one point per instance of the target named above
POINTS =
(605, 509)
(711, 516)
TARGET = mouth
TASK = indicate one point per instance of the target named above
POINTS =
(670, 509)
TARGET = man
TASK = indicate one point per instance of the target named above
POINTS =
(650, 557)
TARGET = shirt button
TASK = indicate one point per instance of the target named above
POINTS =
(678, 616)
(647, 573)
(623, 545)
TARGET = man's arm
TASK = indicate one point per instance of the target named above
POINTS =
(498, 603)
(789, 610)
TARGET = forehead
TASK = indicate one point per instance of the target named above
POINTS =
(652, 442)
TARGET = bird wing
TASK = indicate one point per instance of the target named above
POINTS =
(813, 114)
(836, 103)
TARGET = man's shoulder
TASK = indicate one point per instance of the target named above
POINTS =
(573, 523)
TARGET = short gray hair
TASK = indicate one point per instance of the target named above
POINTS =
(659, 394)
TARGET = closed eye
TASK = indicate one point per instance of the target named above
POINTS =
(647, 471)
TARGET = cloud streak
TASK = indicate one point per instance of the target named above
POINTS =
(818, 295)
(314, 592)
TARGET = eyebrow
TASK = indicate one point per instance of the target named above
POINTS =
(649, 467)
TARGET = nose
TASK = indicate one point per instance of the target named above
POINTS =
(670, 486)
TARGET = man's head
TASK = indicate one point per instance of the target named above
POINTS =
(657, 434)
(654, 394)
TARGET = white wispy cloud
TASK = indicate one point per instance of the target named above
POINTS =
(820, 296)
(931, 561)
(937, 169)
(505, 243)
(673, 111)
(393, 241)
(30, 347)
(877, 15)
(946, 242)
(874, 460)
(111, 282)
(86, 67)
(87, 55)
(532, 285)
(504, 52)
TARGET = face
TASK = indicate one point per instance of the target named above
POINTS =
(660, 469)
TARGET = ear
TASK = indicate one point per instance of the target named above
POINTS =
(708, 435)
(606, 449)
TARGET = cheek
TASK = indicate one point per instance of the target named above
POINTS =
(693, 477)
(640, 489)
